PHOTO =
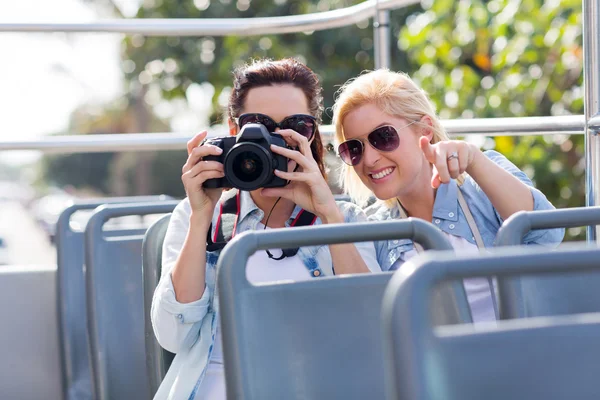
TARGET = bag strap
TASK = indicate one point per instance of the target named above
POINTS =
(470, 220)
(481, 245)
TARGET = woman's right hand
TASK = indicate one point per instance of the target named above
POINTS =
(196, 171)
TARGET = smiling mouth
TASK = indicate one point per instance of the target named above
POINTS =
(382, 174)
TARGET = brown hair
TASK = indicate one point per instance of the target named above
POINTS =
(289, 71)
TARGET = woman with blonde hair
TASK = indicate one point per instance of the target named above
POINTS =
(394, 147)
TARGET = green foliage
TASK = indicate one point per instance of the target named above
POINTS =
(507, 58)
(79, 170)
(174, 63)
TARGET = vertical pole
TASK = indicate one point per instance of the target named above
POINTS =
(591, 79)
(381, 32)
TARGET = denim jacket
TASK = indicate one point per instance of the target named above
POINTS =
(449, 217)
(189, 329)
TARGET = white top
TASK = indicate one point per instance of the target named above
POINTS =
(260, 269)
(478, 290)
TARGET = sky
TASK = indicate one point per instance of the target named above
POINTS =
(45, 76)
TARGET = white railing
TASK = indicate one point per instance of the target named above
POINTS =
(573, 125)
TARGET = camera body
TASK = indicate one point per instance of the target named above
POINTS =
(248, 160)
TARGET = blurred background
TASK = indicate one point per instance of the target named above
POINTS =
(476, 59)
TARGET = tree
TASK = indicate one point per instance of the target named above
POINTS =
(172, 64)
(116, 174)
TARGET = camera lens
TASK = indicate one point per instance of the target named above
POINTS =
(247, 166)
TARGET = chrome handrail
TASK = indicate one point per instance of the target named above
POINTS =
(221, 26)
(573, 124)
(591, 100)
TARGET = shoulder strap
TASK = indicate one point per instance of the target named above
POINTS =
(226, 222)
(480, 245)
(470, 220)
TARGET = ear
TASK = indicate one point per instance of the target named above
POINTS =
(427, 127)
(233, 128)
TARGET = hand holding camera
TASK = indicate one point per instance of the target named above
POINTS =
(308, 187)
(196, 171)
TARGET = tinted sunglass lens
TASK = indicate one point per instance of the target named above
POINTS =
(258, 119)
(303, 125)
(350, 152)
(385, 138)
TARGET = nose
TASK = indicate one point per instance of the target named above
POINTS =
(370, 155)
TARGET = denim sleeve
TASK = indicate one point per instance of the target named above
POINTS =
(353, 213)
(176, 324)
(540, 202)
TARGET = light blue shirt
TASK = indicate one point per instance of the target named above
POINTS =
(189, 329)
(449, 217)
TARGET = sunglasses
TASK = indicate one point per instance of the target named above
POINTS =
(306, 125)
(385, 138)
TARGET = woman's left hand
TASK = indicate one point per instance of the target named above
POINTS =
(449, 158)
(307, 187)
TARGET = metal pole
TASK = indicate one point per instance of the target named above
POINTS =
(381, 31)
(591, 78)
(220, 26)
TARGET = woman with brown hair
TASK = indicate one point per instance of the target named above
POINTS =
(285, 97)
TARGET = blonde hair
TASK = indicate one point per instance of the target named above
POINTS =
(395, 94)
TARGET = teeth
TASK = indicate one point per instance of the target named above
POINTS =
(382, 174)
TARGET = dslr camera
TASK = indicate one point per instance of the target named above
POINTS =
(248, 160)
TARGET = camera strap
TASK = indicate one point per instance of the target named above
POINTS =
(227, 221)
(304, 218)
(229, 214)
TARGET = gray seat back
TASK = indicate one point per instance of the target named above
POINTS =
(77, 377)
(539, 359)
(544, 296)
(318, 339)
(115, 303)
(158, 360)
